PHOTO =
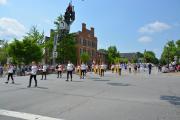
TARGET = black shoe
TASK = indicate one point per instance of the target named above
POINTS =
(71, 79)
(35, 86)
(41, 79)
(28, 86)
(12, 82)
(67, 80)
(6, 82)
(44, 79)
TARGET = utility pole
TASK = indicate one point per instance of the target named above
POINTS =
(63, 28)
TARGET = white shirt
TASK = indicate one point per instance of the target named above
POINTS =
(70, 67)
(44, 68)
(10, 69)
(83, 67)
(60, 68)
(103, 66)
(34, 70)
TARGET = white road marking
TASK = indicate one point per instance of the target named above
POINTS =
(25, 116)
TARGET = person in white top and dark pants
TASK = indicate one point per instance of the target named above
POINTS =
(44, 72)
(10, 73)
(70, 68)
(59, 69)
(83, 70)
(34, 69)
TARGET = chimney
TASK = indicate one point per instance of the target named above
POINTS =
(83, 27)
(92, 31)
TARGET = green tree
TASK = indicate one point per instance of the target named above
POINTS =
(3, 51)
(67, 49)
(169, 52)
(150, 57)
(16, 51)
(29, 49)
(112, 54)
(35, 36)
(33, 52)
(178, 48)
(85, 57)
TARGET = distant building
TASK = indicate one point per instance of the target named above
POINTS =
(129, 56)
(86, 42)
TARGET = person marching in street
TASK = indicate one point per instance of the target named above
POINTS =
(129, 67)
(83, 70)
(1, 70)
(44, 72)
(102, 68)
(135, 68)
(119, 67)
(70, 68)
(59, 70)
(149, 68)
(33, 73)
(112, 68)
(10, 73)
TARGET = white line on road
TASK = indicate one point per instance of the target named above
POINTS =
(25, 116)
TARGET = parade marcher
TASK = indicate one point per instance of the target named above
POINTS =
(144, 67)
(120, 68)
(96, 68)
(10, 73)
(102, 67)
(129, 67)
(83, 70)
(149, 68)
(159, 68)
(135, 68)
(44, 72)
(138, 67)
(70, 68)
(59, 70)
(33, 73)
(1, 70)
(112, 68)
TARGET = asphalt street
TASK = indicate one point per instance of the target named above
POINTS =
(112, 97)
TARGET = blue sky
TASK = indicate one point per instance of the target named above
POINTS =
(131, 25)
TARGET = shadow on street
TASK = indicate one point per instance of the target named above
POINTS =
(171, 99)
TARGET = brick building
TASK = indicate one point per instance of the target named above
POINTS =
(86, 42)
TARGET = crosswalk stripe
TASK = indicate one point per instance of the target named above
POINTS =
(25, 116)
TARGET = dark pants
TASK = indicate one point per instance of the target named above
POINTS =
(30, 80)
(44, 74)
(83, 72)
(119, 71)
(149, 71)
(102, 72)
(129, 70)
(69, 73)
(10, 75)
(59, 73)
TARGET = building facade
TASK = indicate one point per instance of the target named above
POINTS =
(86, 41)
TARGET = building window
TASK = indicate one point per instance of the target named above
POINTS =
(84, 42)
(81, 41)
(89, 43)
(81, 51)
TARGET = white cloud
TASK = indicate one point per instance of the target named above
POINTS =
(3, 2)
(145, 39)
(11, 28)
(154, 27)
